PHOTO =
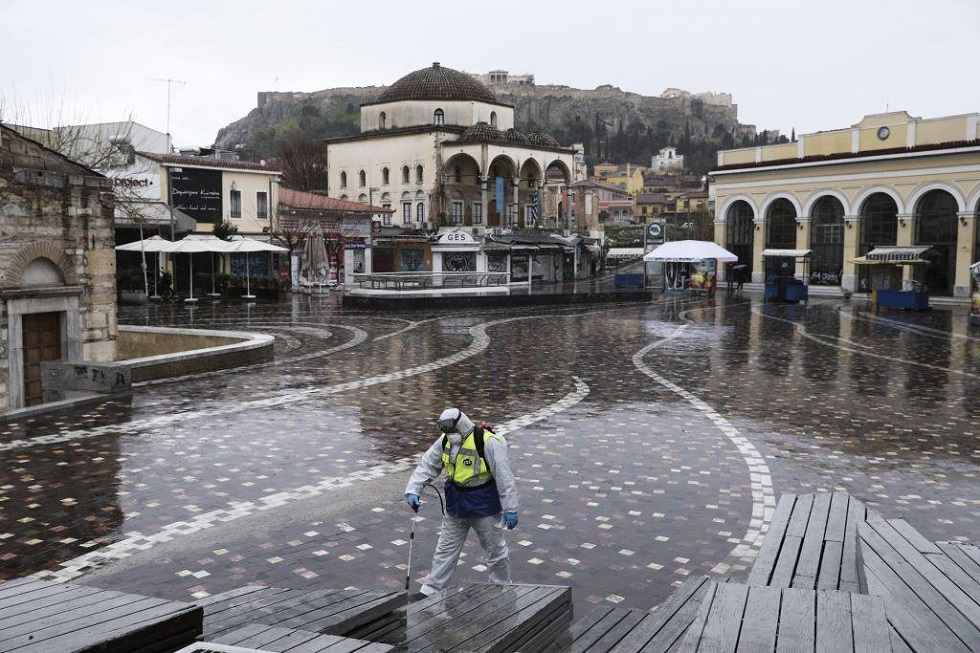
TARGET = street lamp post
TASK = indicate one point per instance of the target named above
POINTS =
(170, 200)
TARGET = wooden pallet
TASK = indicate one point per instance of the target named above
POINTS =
(931, 591)
(335, 612)
(484, 618)
(735, 617)
(811, 543)
(275, 639)
(609, 629)
(53, 617)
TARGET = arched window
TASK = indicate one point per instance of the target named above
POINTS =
(405, 174)
(781, 225)
(879, 222)
(362, 178)
(418, 174)
(879, 226)
(827, 242)
(493, 119)
(384, 176)
(936, 225)
(780, 234)
(420, 212)
(382, 121)
(343, 180)
(439, 118)
(458, 174)
(739, 228)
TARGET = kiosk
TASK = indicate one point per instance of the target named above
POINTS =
(890, 285)
(782, 282)
(690, 265)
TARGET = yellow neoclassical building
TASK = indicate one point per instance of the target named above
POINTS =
(890, 180)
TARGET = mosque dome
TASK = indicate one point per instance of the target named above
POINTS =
(437, 83)
(542, 139)
(480, 132)
(515, 136)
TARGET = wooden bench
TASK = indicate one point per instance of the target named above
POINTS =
(607, 628)
(275, 639)
(50, 617)
(759, 619)
(335, 612)
(481, 618)
(931, 591)
(811, 543)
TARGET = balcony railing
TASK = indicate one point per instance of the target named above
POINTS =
(430, 280)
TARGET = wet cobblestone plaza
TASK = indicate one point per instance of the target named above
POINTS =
(650, 441)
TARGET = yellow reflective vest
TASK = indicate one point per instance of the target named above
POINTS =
(467, 467)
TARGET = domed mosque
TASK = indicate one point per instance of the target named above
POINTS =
(437, 153)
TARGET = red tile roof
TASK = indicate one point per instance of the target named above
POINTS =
(298, 199)
(207, 162)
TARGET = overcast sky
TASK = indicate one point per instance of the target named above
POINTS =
(816, 68)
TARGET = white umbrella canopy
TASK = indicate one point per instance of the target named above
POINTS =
(251, 245)
(194, 243)
(690, 251)
(151, 244)
(245, 246)
(316, 268)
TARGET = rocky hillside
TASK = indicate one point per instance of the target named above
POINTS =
(613, 125)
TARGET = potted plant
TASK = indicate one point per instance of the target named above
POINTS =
(130, 287)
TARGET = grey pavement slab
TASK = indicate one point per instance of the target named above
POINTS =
(650, 441)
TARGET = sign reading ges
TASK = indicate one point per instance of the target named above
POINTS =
(456, 238)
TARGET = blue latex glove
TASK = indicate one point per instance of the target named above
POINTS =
(510, 520)
(414, 502)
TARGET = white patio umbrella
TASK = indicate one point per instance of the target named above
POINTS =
(315, 257)
(154, 244)
(219, 246)
(194, 244)
(247, 245)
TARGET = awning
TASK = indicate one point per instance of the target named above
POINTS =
(787, 253)
(896, 253)
(151, 214)
(892, 256)
(690, 251)
(625, 252)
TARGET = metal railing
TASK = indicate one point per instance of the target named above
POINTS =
(430, 280)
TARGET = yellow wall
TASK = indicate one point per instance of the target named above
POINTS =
(906, 176)
(825, 143)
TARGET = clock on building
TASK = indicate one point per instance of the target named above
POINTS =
(884, 133)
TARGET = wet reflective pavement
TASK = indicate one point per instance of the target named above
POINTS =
(650, 441)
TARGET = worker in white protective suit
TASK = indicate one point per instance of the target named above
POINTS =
(480, 494)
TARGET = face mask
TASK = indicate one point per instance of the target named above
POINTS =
(454, 438)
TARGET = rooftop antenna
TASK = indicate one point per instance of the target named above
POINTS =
(170, 83)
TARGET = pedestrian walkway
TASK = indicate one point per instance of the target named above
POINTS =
(650, 440)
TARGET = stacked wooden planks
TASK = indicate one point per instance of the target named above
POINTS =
(931, 590)
(51, 617)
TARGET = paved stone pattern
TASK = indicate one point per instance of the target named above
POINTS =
(624, 423)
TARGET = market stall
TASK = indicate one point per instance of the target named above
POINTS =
(895, 277)
(690, 265)
(783, 283)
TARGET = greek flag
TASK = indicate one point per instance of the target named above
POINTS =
(534, 206)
